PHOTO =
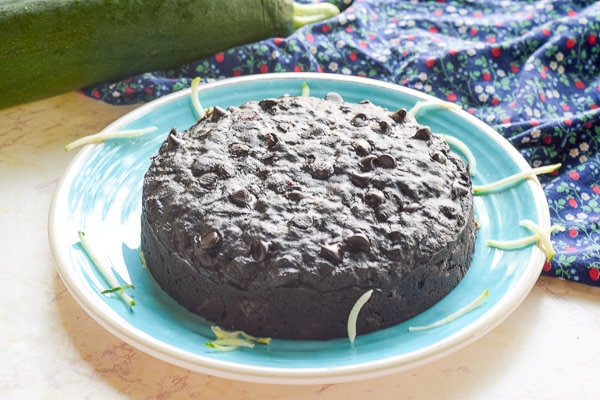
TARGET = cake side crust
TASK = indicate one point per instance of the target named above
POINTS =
(312, 203)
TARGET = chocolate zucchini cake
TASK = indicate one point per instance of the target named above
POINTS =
(275, 216)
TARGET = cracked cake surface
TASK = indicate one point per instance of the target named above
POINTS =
(274, 216)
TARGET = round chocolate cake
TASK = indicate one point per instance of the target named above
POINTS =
(274, 217)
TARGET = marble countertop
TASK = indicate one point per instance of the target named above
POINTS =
(50, 348)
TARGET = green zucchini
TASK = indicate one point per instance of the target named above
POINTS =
(48, 47)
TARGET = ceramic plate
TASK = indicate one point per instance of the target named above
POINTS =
(100, 193)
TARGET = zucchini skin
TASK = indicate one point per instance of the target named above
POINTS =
(51, 47)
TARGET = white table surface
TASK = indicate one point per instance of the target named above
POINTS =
(51, 349)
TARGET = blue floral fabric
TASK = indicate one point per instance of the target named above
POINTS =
(530, 69)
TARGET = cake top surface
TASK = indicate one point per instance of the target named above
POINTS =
(307, 191)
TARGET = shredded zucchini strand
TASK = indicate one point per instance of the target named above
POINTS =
(102, 136)
(105, 271)
(228, 344)
(198, 109)
(305, 90)
(513, 244)
(521, 242)
(544, 237)
(419, 105)
(117, 288)
(223, 334)
(353, 316)
(236, 342)
(462, 148)
(503, 183)
(232, 340)
(478, 301)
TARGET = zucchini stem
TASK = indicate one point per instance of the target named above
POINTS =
(305, 14)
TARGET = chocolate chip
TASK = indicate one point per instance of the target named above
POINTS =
(262, 172)
(321, 170)
(374, 198)
(218, 113)
(239, 149)
(384, 127)
(173, 139)
(334, 97)
(224, 170)
(399, 115)
(359, 120)
(267, 104)
(208, 180)
(368, 163)
(211, 241)
(316, 131)
(271, 140)
(295, 195)
(358, 242)
(259, 250)
(362, 147)
(423, 133)
(458, 190)
(332, 252)
(439, 157)
(242, 198)
(385, 161)
(361, 180)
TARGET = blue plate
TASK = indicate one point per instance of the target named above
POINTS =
(100, 193)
